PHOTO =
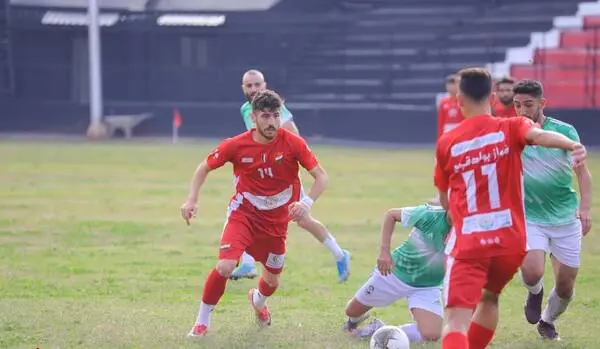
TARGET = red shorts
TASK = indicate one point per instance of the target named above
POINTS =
(466, 278)
(265, 244)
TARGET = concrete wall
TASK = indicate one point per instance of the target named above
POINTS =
(223, 120)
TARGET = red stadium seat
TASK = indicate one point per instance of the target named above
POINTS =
(580, 39)
(591, 22)
(566, 57)
(553, 73)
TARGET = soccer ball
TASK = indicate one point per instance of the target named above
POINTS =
(389, 337)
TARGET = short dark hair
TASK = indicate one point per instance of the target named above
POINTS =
(266, 100)
(505, 80)
(451, 78)
(533, 88)
(475, 83)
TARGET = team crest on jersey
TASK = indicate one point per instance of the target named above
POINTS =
(279, 158)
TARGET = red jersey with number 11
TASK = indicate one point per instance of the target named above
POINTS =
(267, 179)
(479, 164)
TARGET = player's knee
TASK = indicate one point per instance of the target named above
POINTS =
(350, 309)
(565, 288)
(489, 298)
(532, 273)
(355, 309)
(431, 334)
(225, 267)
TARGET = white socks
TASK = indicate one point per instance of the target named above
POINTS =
(258, 299)
(333, 246)
(247, 259)
(412, 332)
(204, 313)
(535, 289)
(555, 307)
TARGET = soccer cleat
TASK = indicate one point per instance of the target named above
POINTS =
(547, 331)
(367, 331)
(351, 326)
(533, 307)
(244, 271)
(198, 331)
(262, 315)
(343, 267)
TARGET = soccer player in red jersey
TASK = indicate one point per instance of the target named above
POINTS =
(479, 176)
(449, 114)
(266, 161)
(503, 106)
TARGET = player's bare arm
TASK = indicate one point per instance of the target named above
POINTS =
(189, 209)
(584, 180)
(444, 199)
(301, 208)
(552, 139)
(291, 126)
(384, 260)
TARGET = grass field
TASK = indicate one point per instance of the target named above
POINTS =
(93, 253)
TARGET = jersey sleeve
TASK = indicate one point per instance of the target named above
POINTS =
(304, 154)
(424, 217)
(440, 178)
(246, 112)
(519, 126)
(285, 115)
(408, 215)
(222, 154)
(440, 119)
(572, 134)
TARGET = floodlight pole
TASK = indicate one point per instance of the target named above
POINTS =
(96, 128)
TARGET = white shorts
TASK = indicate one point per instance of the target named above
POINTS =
(562, 241)
(380, 291)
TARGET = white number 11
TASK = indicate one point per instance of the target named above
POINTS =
(265, 172)
(489, 171)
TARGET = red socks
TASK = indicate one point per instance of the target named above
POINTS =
(265, 289)
(479, 336)
(455, 340)
(214, 287)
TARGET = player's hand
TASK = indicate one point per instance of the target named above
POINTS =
(586, 221)
(384, 262)
(298, 210)
(579, 154)
(188, 211)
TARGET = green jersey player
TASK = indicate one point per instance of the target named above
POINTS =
(252, 82)
(414, 270)
(556, 218)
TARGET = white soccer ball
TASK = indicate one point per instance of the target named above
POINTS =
(389, 337)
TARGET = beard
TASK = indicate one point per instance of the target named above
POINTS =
(263, 132)
(537, 115)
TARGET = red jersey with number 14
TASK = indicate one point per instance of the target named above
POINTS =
(267, 179)
(479, 164)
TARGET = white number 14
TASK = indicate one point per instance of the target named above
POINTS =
(489, 171)
(265, 172)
